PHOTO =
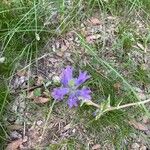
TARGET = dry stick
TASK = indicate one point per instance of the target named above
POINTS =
(119, 107)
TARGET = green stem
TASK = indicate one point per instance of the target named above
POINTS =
(118, 107)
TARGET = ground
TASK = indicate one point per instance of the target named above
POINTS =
(112, 50)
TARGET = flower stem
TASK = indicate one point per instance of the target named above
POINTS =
(119, 107)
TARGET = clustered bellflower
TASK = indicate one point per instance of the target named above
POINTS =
(70, 86)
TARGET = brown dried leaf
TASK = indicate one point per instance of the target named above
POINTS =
(14, 145)
(91, 38)
(30, 95)
(40, 80)
(64, 48)
(41, 100)
(138, 125)
(95, 21)
(60, 53)
(21, 73)
(96, 147)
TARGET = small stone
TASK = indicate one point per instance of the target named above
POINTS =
(82, 25)
(25, 139)
(39, 122)
(74, 130)
(59, 53)
(143, 148)
(67, 55)
(57, 45)
(15, 135)
(96, 147)
(135, 146)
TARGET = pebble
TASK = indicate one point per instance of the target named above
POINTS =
(39, 122)
(15, 135)
(74, 130)
(25, 139)
(135, 146)
(143, 148)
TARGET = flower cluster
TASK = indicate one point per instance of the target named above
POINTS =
(71, 86)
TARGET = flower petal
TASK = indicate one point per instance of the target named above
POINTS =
(72, 101)
(59, 93)
(66, 75)
(82, 78)
(84, 93)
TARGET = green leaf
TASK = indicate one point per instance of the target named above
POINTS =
(37, 92)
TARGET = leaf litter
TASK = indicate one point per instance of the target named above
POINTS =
(47, 72)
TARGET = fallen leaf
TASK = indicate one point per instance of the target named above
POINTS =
(30, 95)
(14, 145)
(91, 38)
(60, 53)
(64, 48)
(95, 21)
(37, 92)
(138, 125)
(21, 73)
(96, 147)
(65, 45)
(41, 100)
(40, 80)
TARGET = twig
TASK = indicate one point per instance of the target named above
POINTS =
(28, 89)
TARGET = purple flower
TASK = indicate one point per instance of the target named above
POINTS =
(70, 87)
(84, 93)
(82, 78)
(66, 75)
(72, 100)
(59, 93)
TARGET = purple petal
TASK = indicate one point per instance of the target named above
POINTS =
(72, 101)
(82, 78)
(85, 93)
(59, 93)
(66, 75)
